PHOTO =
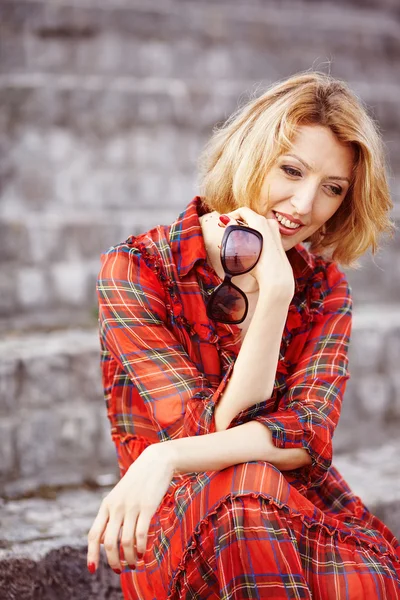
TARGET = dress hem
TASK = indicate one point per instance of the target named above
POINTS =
(342, 535)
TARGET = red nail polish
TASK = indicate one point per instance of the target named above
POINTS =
(224, 219)
(140, 555)
(117, 571)
(132, 567)
(91, 568)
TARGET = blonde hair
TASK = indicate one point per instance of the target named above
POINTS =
(235, 161)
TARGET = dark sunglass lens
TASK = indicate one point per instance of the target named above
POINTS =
(241, 251)
(227, 305)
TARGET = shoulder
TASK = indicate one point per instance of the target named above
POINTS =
(139, 256)
(326, 284)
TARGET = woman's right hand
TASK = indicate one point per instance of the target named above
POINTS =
(273, 271)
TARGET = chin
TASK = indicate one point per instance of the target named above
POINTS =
(288, 244)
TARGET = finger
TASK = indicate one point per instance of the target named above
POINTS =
(237, 215)
(142, 529)
(111, 538)
(128, 537)
(274, 228)
(94, 538)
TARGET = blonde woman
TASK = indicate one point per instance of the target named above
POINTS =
(224, 353)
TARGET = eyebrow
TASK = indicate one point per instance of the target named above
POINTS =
(303, 162)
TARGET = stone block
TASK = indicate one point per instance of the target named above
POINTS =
(45, 381)
(44, 242)
(35, 186)
(86, 374)
(106, 451)
(13, 241)
(372, 474)
(374, 394)
(32, 287)
(8, 287)
(12, 51)
(70, 282)
(77, 435)
(60, 145)
(9, 385)
(7, 447)
(394, 409)
(37, 440)
(366, 351)
(44, 548)
(377, 281)
(61, 574)
(392, 347)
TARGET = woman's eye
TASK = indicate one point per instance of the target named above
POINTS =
(291, 171)
(335, 190)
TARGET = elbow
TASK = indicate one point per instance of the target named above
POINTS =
(304, 459)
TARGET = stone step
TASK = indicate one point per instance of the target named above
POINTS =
(43, 548)
(370, 412)
(195, 39)
(53, 425)
(97, 107)
(43, 545)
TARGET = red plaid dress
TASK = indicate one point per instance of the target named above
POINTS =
(248, 531)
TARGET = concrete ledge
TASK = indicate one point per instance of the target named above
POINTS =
(43, 549)
(61, 575)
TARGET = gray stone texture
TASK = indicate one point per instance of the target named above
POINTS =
(54, 419)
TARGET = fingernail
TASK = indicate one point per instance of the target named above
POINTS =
(117, 571)
(224, 219)
(140, 555)
(91, 568)
(132, 567)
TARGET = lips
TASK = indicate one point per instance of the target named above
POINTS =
(288, 217)
(288, 231)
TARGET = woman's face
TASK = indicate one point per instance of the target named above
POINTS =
(307, 185)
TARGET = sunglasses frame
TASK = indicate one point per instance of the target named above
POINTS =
(228, 274)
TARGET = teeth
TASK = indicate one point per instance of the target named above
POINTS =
(286, 223)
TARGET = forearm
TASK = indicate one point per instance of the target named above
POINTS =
(253, 375)
(217, 451)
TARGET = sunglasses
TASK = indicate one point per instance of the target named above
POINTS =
(241, 248)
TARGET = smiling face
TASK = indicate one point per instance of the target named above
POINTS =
(306, 185)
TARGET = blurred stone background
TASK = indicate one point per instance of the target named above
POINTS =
(104, 108)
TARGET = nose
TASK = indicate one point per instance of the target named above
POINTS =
(303, 201)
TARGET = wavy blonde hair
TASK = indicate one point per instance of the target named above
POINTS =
(235, 161)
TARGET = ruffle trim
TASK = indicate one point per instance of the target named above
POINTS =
(342, 535)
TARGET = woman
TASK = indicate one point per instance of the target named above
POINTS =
(223, 396)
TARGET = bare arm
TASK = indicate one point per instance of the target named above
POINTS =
(251, 382)
(253, 375)
(217, 451)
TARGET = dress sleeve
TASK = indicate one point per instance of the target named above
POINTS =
(133, 328)
(309, 411)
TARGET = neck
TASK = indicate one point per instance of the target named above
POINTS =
(212, 236)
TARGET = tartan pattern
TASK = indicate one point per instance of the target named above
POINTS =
(164, 366)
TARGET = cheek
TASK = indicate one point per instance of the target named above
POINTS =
(274, 189)
(324, 211)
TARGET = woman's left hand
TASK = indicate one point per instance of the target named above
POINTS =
(126, 512)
